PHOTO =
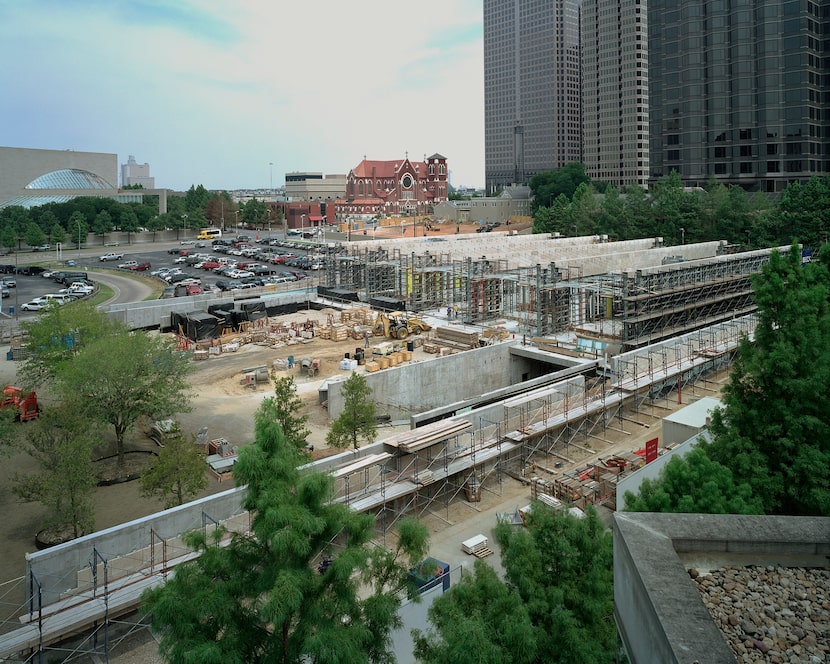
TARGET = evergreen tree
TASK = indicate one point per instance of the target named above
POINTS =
(266, 597)
(694, 484)
(478, 615)
(774, 430)
(357, 421)
(285, 408)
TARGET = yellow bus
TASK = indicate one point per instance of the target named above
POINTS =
(209, 234)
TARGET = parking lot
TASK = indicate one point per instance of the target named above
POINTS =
(190, 267)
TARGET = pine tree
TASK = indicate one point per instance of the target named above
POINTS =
(357, 421)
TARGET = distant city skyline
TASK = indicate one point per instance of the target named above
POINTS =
(235, 97)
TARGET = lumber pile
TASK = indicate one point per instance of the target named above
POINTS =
(417, 439)
(456, 337)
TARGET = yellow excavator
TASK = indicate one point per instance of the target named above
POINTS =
(397, 325)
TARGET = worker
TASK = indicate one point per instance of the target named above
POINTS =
(366, 334)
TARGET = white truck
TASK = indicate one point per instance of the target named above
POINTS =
(111, 257)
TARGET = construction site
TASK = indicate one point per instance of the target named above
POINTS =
(599, 334)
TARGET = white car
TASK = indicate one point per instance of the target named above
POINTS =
(127, 265)
(180, 259)
(111, 257)
(35, 305)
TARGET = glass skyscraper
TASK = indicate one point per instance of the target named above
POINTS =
(532, 111)
(738, 91)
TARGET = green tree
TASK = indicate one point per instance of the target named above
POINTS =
(694, 484)
(357, 421)
(125, 376)
(55, 337)
(102, 224)
(57, 235)
(77, 227)
(286, 408)
(264, 596)
(128, 223)
(34, 235)
(804, 212)
(177, 474)
(561, 567)
(479, 615)
(773, 432)
(62, 441)
(552, 219)
(546, 186)
(254, 213)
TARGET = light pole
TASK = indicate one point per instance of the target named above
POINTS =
(302, 223)
(682, 236)
(184, 221)
(79, 238)
(271, 187)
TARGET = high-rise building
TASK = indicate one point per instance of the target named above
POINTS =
(133, 173)
(615, 91)
(532, 114)
(736, 91)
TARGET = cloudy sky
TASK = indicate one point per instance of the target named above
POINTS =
(213, 92)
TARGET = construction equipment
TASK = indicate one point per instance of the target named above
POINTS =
(398, 325)
(311, 367)
(24, 404)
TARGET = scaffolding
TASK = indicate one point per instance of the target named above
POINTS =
(412, 473)
(631, 308)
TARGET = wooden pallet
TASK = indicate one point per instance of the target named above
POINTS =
(483, 552)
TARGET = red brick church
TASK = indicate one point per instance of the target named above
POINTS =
(393, 188)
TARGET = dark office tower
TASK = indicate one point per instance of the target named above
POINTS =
(736, 91)
(615, 91)
(532, 118)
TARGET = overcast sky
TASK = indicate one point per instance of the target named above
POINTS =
(213, 92)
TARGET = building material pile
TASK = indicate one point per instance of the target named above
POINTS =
(456, 338)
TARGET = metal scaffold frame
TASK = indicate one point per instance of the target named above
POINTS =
(635, 308)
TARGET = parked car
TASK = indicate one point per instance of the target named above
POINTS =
(4, 291)
(42, 247)
(9, 282)
(35, 305)
(141, 267)
(227, 284)
(127, 265)
(111, 257)
(193, 289)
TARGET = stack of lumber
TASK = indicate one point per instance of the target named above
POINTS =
(456, 338)
(431, 347)
(339, 332)
(477, 546)
(372, 366)
(417, 439)
(358, 316)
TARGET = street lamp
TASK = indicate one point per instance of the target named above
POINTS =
(682, 236)
(271, 188)
(302, 223)
(79, 238)
(184, 220)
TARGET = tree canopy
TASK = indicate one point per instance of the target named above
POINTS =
(773, 432)
(177, 474)
(305, 585)
(357, 421)
(694, 484)
(117, 379)
(555, 605)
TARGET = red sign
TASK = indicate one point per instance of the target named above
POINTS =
(651, 450)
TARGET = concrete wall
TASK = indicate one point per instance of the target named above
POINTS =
(419, 386)
(57, 568)
(660, 615)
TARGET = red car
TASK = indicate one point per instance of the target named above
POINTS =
(193, 289)
(210, 265)
(141, 267)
